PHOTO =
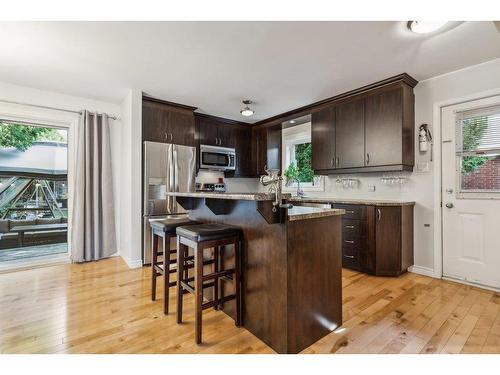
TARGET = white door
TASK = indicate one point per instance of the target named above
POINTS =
(471, 191)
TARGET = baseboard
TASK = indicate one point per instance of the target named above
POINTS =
(423, 271)
(137, 263)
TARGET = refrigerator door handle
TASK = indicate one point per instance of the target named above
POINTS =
(176, 172)
(171, 177)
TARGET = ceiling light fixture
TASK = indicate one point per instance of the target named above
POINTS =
(247, 111)
(425, 27)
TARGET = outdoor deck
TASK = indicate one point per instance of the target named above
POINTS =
(15, 254)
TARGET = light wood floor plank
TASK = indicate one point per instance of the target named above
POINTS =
(104, 307)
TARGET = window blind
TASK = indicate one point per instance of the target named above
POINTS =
(478, 131)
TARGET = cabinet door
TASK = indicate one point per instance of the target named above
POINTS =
(383, 128)
(350, 134)
(388, 240)
(323, 139)
(208, 132)
(243, 152)
(154, 122)
(273, 152)
(181, 128)
(227, 134)
(259, 150)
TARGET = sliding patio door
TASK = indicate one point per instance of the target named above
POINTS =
(33, 192)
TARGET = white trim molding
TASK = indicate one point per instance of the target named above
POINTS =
(425, 271)
(137, 263)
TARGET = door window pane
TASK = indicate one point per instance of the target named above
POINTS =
(478, 150)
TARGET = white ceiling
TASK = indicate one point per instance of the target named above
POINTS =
(214, 65)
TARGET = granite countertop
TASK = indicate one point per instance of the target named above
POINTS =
(234, 196)
(304, 213)
(351, 201)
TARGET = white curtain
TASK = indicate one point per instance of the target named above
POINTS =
(93, 234)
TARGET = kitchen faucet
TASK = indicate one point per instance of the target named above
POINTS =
(273, 180)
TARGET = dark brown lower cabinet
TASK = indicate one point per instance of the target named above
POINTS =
(377, 239)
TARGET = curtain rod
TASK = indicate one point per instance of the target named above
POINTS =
(47, 107)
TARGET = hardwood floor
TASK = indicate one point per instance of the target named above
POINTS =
(104, 307)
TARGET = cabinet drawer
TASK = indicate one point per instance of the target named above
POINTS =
(353, 228)
(353, 242)
(352, 211)
(350, 258)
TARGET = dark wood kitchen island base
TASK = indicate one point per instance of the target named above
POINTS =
(291, 269)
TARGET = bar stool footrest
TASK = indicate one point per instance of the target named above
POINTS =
(220, 301)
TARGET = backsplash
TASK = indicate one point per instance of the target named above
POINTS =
(387, 190)
(369, 186)
(233, 185)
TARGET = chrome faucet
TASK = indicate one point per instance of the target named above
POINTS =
(273, 180)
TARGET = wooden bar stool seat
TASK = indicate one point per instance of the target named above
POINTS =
(200, 237)
(165, 229)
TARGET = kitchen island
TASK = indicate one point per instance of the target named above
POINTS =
(291, 265)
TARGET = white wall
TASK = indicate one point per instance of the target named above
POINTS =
(130, 220)
(30, 95)
(465, 84)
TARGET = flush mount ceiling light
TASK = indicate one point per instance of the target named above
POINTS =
(246, 111)
(425, 27)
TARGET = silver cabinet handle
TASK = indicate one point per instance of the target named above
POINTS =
(449, 205)
(349, 256)
(332, 162)
(166, 136)
(349, 212)
(337, 161)
(350, 226)
(348, 241)
(379, 214)
(171, 137)
(367, 158)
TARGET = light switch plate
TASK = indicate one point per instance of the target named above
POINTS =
(371, 188)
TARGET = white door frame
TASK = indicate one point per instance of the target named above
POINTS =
(438, 130)
(51, 118)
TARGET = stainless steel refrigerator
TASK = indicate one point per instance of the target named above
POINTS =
(167, 167)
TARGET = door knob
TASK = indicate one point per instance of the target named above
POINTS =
(449, 205)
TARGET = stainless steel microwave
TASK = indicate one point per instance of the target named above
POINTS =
(217, 158)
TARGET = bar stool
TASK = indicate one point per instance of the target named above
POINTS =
(200, 237)
(165, 229)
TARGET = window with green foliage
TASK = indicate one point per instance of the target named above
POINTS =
(23, 136)
(472, 133)
(297, 159)
(478, 149)
(300, 170)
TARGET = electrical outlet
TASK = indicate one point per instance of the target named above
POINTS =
(371, 188)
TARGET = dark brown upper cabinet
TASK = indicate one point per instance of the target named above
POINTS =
(217, 131)
(372, 131)
(350, 134)
(323, 138)
(208, 131)
(266, 149)
(167, 123)
(384, 128)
